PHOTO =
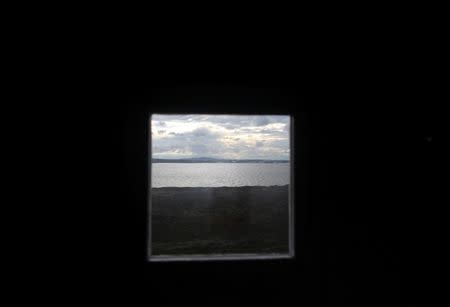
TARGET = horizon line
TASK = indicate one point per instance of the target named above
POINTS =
(186, 158)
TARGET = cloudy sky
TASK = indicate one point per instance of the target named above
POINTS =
(220, 136)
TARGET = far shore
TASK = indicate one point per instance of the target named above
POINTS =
(205, 220)
(214, 160)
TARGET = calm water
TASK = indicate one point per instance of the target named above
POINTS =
(219, 174)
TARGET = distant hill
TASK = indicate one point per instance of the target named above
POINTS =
(214, 160)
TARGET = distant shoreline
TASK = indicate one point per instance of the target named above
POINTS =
(224, 162)
(213, 160)
(238, 188)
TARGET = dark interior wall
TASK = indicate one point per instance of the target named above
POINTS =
(370, 225)
(362, 180)
(364, 188)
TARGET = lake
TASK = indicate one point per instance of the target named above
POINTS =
(219, 174)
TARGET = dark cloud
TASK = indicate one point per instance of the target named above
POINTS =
(259, 144)
(262, 121)
(201, 132)
(168, 148)
(230, 126)
(161, 131)
(199, 149)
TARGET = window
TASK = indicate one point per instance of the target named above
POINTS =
(220, 187)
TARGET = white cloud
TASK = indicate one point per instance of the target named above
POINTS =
(224, 136)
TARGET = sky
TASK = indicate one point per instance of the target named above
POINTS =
(220, 136)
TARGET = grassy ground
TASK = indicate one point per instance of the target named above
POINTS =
(219, 220)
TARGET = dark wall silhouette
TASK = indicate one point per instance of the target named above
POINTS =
(364, 197)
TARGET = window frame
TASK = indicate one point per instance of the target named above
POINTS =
(225, 257)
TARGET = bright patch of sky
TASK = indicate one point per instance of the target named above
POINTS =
(220, 136)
